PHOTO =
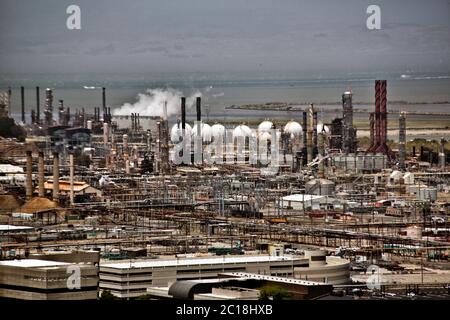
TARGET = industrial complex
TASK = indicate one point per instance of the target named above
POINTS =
(105, 206)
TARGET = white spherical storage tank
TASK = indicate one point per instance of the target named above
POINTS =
(242, 131)
(205, 131)
(293, 128)
(176, 131)
(265, 126)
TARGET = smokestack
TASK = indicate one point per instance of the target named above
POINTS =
(402, 140)
(103, 98)
(41, 190)
(33, 116)
(105, 133)
(109, 114)
(55, 176)
(199, 108)
(71, 174)
(22, 96)
(442, 154)
(321, 147)
(315, 134)
(38, 106)
(165, 111)
(183, 113)
(29, 176)
(305, 136)
(309, 144)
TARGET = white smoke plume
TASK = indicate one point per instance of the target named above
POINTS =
(151, 103)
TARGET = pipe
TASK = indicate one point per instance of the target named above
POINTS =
(71, 174)
(55, 176)
(22, 95)
(29, 176)
(41, 190)
(38, 107)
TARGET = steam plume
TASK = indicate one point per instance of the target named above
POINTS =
(151, 103)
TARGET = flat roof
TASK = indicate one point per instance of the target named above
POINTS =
(245, 275)
(32, 263)
(7, 227)
(196, 261)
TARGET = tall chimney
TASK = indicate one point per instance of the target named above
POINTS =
(165, 111)
(315, 148)
(38, 107)
(55, 176)
(41, 190)
(321, 147)
(199, 108)
(71, 174)
(183, 113)
(105, 133)
(442, 154)
(22, 96)
(103, 98)
(402, 140)
(29, 176)
(305, 136)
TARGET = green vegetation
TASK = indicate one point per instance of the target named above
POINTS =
(272, 292)
(107, 295)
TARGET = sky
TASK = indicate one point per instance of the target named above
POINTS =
(139, 36)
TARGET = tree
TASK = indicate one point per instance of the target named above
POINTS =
(274, 293)
(107, 295)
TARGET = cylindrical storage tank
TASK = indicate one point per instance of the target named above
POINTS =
(89, 124)
(321, 187)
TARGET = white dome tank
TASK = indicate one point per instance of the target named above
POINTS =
(176, 131)
(206, 132)
(265, 126)
(242, 131)
(217, 129)
(293, 128)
